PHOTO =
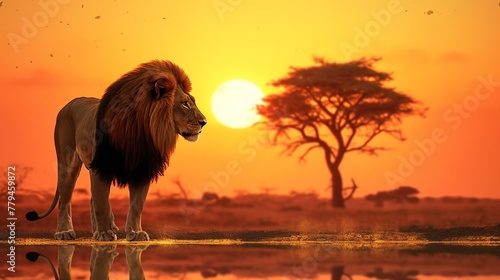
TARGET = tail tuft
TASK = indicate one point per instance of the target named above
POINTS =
(32, 256)
(32, 216)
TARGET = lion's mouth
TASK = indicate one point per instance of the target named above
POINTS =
(191, 136)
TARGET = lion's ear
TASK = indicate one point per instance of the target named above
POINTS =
(162, 86)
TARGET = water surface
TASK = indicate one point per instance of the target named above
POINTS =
(232, 259)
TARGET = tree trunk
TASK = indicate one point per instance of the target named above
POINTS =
(337, 187)
(337, 272)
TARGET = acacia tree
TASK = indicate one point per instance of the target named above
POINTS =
(20, 175)
(337, 108)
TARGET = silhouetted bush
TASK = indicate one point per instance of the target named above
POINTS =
(399, 195)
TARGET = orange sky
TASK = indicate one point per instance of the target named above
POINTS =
(439, 51)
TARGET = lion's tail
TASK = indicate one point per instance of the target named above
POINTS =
(34, 256)
(33, 215)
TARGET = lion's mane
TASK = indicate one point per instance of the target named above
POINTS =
(135, 132)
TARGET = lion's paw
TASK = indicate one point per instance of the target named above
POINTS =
(131, 249)
(137, 236)
(114, 228)
(65, 235)
(105, 235)
(110, 249)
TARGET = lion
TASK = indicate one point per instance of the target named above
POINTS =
(126, 138)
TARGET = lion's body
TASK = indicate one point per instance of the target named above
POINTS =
(127, 138)
(75, 122)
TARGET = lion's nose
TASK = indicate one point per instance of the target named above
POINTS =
(202, 122)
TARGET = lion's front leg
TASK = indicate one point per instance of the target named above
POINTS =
(93, 220)
(102, 218)
(133, 227)
(101, 260)
(133, 256)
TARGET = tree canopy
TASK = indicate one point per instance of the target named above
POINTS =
(338, 108)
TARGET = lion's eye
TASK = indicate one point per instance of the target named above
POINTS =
(185, 104)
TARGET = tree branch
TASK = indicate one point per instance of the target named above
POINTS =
(374, 133)
(353, 189)
(320, 104)
(303, 156)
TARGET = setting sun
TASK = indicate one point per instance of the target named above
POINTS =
(234, 103)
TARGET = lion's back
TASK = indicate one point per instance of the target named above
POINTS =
(79, 110)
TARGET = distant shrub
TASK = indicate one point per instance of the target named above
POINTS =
(399, 195)
(209, 197)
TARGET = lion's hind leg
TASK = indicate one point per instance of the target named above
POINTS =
(68, 174)
(69, 166)
(64, 258)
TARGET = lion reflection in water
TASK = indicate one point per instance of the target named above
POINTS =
(125, 138)
(101, 261)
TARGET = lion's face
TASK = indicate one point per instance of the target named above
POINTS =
(187, 117)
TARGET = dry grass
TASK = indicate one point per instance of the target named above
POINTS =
(298, 214)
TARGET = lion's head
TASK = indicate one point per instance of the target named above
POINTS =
(188, 119)
(138, 120)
